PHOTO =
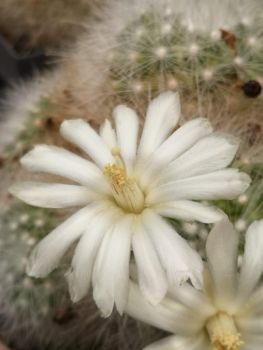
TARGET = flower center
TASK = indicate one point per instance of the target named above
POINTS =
(223, 333)
(125, 190)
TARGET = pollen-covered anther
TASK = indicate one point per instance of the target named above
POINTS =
(227, 342)
(125, 190)
(115, 151)
(116, 175)
(223, 333)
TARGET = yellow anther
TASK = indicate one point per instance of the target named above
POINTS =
(223, 333)
(116, 175)
(115, 151)
(227, 342)
(125, 190)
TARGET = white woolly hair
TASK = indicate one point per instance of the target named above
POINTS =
(82, 329)
(85, 72)
(84, 88)
(213, 15)
(87, 66)
(43, 23)
(18, 102)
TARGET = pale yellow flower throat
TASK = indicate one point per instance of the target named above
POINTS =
(223, 333)
(125, 190)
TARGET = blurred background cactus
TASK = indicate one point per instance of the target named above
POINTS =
(42, 24)
(162, 50)
(211, 52)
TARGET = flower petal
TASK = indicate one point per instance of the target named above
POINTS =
(168, 315)
(181, 140)
(48, 253)
(111, 271)
(81, 134)
(152, 279)
(108, 135)
(254, 304)
(127, 125)
(52, 195)
(162, 116)
(211, 153)
(178, 259)
(251, 325)
(249, 346)
(222, 184)
(155, 167)
(252, 342)
(190, 211)
(193, 299)
(176, 342)
(222, 251)
(58, 161)
(79, 275)
(252, 264)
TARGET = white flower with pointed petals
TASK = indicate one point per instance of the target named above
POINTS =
(228, 313)
(126, 193)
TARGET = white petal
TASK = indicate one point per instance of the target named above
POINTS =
(181, 140)
(222, 251)
(193, 299)
(256, 345)
(178, 259)
(52, 195)
(254, 304)
(252, 325)
(152, 279)
(167, 343)
(58, 161)
(48, 253)
(85, 137)
(190, 211)
(111, 271)
(198, 342)
(167, 315)
(252, 264)
(252, 342)
(79, 275)
(211, 153)
(108, 135)
(127, 125)
(222, 184)
(249, 346)
(162, 116)
(252, 346)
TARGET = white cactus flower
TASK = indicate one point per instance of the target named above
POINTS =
(126, 193)
(228, 313)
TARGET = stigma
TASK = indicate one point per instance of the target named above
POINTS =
(125, 190)
(223, 333)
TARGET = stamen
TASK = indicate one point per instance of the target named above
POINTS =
(223, 333)
(116, 175)
(115, 151)
(125, 190)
